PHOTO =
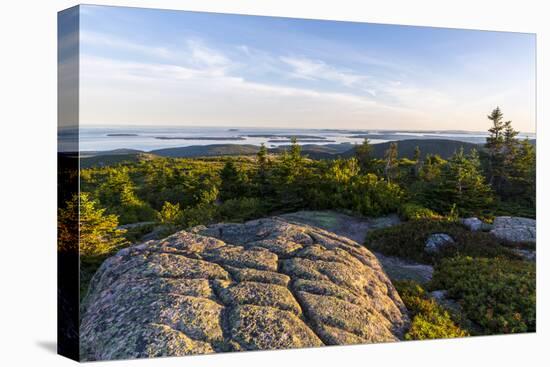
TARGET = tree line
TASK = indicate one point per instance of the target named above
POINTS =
(179, 193)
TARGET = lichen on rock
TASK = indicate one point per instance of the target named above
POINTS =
(264, 284)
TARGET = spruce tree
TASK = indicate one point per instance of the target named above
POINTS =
(391, 167)
(363, 154)
(234, 181)
(510, 151)
(461, 184)
(417, 154)
(495, 144)
(418, 161)
(523, 175)
(295, 150)
(262, 156)
(262, 176)
(170, 214)
(97, 232)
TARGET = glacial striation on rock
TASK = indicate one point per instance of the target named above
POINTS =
(264, 284)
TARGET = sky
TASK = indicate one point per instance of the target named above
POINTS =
(158, 67)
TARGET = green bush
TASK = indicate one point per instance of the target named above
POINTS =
(200, 214)
(407, 240)
(429, 319)
(84, 227)
(498, 294)
(170, 214)
(413, 211)
(240, 210)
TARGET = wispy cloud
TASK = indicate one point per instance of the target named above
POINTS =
(212, 74)
(304, 68)
(99, 39)
(192, 80)
(205, 55)
(188, 94)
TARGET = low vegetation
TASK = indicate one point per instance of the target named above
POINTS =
(494, 289)
(408, 240)
(497, 294)
(429, 320)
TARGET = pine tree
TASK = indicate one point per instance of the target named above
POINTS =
(295, 150)
(523, 174)
(97, 232)
(170, 214)
(495, 143)
(510, 151)
(431, 169)
(262, 156)
(234, 181)
(462, 184)
(418, 159)
(363, 155)
(417, 154)
(510, 136)
(263, 175)
(391, 168)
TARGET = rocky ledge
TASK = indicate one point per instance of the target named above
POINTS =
(264, 284)
(515, 229)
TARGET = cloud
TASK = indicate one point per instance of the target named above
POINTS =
(200, 84)
(304, 68)
(133, 92)
(99, 39)
(205, 55)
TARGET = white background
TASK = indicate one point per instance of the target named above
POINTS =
(28, 181)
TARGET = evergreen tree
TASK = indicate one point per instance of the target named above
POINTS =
(170, 214)
(290, 178)
(418, 161)
(510, 137)
(262, 157)
(495, 144)
(234, 181)
(461, 185)
(391, 168)
(523, 174)
(118, 193)
(431, 169)
(363, 155)
(510, 150)
(416, 156)
(97, 232)
(295, 150)
(263, 186)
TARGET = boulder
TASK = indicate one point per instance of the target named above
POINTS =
(264, 284)
(435, 242)
(515, 229)
(473, 224)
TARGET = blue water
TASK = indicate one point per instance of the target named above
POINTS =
(147, 138)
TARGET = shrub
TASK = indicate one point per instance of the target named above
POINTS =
(429, 319)
(240, 210)
(407, 240)
(412, 211)
(498, 294)
(170, 214)
(200, 214)
(85, 228)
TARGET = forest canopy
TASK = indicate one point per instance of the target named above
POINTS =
(497, 179)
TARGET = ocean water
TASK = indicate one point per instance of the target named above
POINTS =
(152, 137)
